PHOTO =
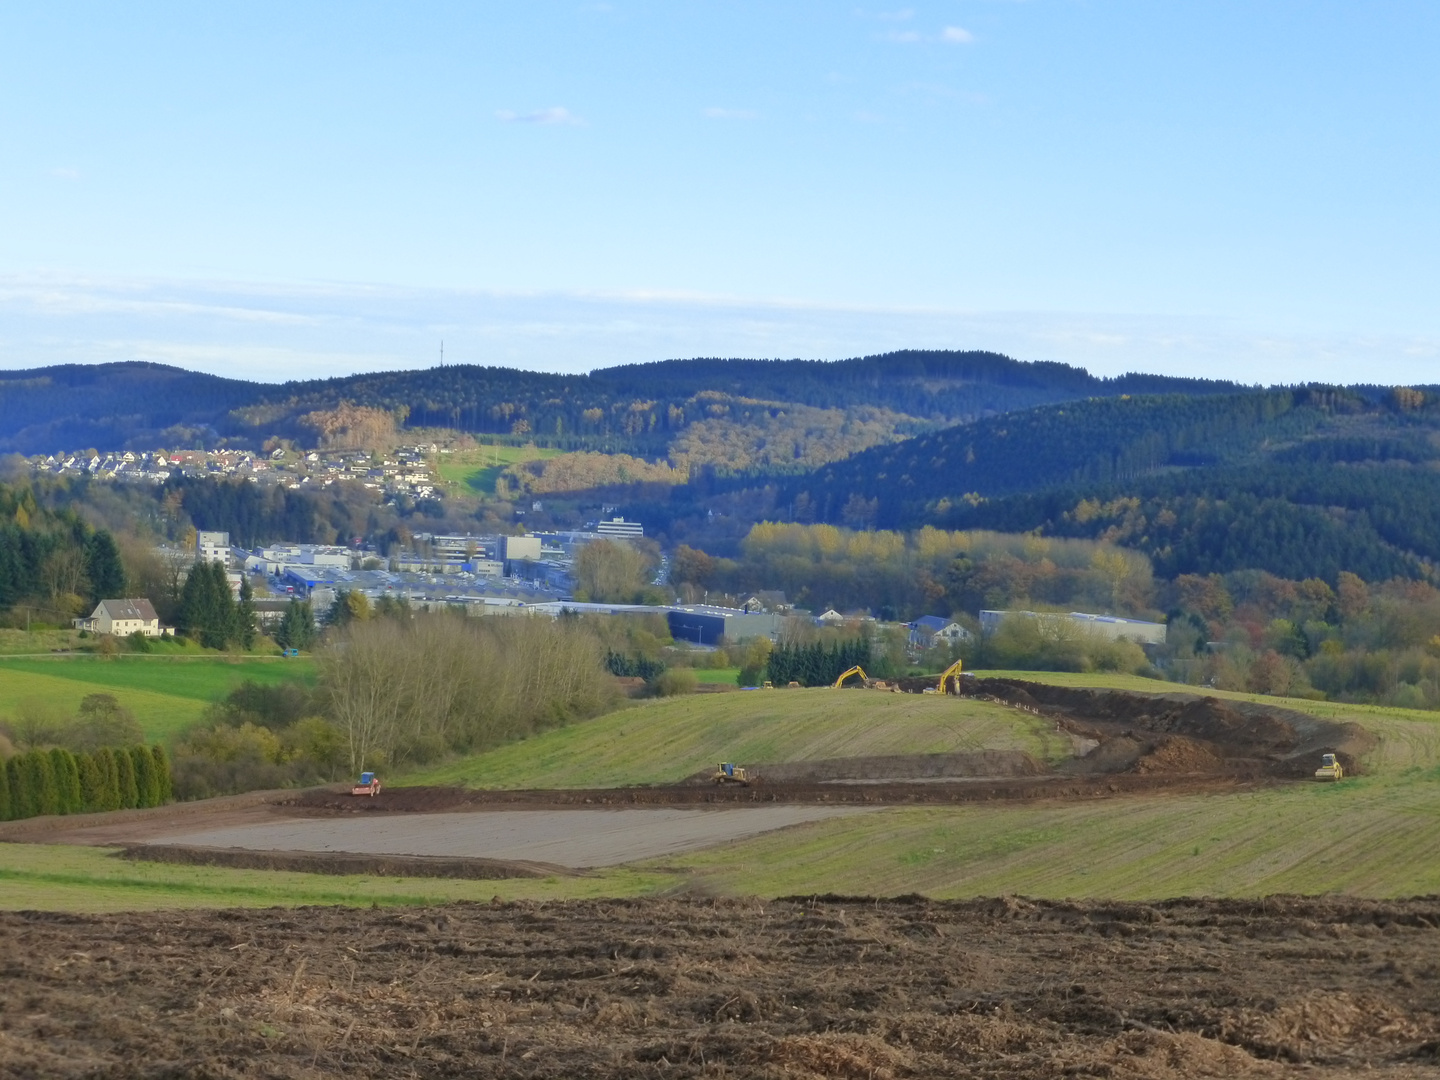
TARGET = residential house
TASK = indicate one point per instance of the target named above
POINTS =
(123, 618)
(930, 631)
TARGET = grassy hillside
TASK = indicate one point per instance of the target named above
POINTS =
(166, 694)
(662, 741)
(1374, 835)
(475, 471)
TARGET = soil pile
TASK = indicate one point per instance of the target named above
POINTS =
(691, 988)
(1183, 734)
(892, 767)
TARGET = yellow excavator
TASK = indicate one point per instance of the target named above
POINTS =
(951, 672)
(856, 670)
(1330, 768)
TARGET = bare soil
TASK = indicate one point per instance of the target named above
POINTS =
(847, 988)
(345, 862)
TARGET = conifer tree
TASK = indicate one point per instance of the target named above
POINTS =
(103, 567)
(22, 800)
(109, 777)
(246, 628)
(162, 774)
(5, 813)
(92, 783)
(129, 793)
(147, 784)
(42, 782)
(67, 780)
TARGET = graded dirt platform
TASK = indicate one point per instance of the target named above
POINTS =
(570, 838)
(858, 989)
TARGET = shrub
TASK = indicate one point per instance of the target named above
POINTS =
(5, 814)
(125, 770)
(147, 784)
(750, 676)
(675, 681)
(67, 781)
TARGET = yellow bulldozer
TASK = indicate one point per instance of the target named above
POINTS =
(730, 773)
(856, 670)
(1330, 768)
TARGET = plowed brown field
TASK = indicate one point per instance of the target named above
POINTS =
(827, 988)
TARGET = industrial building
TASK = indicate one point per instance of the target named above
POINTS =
(1110, 627)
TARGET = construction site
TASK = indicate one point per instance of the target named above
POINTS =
(695, 980)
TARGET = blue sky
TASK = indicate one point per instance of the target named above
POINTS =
(276, 190)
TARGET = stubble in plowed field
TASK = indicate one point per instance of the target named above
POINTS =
(690, 988)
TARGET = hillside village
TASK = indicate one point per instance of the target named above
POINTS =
(409, 470)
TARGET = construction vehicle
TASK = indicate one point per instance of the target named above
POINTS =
(951, 672)
(730, 773)
(856, 670)
(369, 784)
(1330, 768)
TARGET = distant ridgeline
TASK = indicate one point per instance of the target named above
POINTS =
(1301, 482)
(638, 408)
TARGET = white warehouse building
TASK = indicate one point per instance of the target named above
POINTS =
(1110, 627)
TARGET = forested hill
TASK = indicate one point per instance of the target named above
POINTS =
(637, 408)
(1300, 482)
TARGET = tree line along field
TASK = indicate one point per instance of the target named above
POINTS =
(166, 694)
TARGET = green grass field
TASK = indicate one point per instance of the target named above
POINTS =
(69, 878)
(717, 675)
(666, 740)
(476, 471)
(166, 693)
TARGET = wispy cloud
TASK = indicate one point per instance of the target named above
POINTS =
(65, 173)
(950, 35)
(716, 113)
(555, 115)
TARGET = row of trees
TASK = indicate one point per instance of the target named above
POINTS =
(900, 576)
(53, 561)
(58, 781)
(819, 664)
(413, 690)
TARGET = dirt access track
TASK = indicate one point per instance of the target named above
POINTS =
(828, 988)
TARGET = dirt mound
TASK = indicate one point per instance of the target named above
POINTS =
(1177, 754)
(345, 862)
(1176, 733)
(797, 989)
